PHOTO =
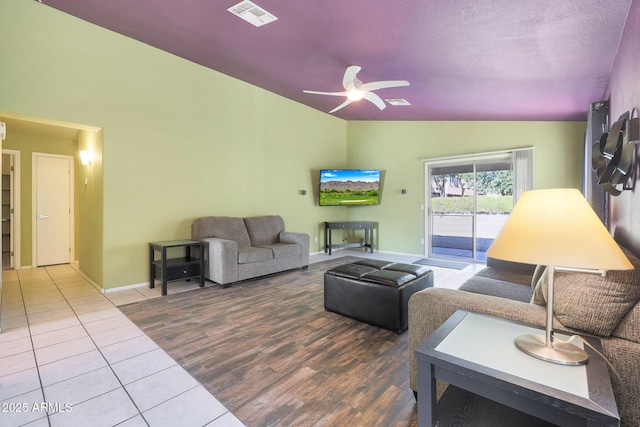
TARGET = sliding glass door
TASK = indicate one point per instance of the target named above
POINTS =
(468, 202)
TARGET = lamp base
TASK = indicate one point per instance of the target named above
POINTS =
(561, 353)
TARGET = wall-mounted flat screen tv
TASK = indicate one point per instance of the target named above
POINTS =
(349, 187)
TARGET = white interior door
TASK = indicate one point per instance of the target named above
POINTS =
(53, 215)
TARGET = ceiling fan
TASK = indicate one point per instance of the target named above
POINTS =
(355, 90)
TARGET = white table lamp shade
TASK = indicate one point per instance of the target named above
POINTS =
(557, 227)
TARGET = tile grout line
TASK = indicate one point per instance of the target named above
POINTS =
(33, 347)
(114, 373)
(99, 350)
(48, 276)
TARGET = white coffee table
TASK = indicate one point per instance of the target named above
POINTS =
(476, 353)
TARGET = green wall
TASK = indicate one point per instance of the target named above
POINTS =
(89, 207)
(179, 141)
(399, 148)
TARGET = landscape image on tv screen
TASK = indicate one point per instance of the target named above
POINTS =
(341, 187)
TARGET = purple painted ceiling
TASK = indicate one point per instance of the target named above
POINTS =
(465, 59)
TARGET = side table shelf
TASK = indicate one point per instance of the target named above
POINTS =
(184, 267)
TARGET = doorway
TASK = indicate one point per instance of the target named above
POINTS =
(469, 197)
(468, 200)
(53, 209)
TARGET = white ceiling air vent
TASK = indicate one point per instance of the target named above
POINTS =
(251, 13)
(397, 102)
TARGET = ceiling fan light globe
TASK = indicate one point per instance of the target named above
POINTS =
(355, 95)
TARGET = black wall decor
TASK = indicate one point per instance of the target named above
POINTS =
(613, 155)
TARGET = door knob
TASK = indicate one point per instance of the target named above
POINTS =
(42, 216)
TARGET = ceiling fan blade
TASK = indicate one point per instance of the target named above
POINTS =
(344, 104)
(384, 84)
(326, 93)
(350, 75)
(370, 96)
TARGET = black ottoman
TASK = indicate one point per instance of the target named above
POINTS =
(375, 292)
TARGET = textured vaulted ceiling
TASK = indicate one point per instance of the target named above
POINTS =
(465, 59)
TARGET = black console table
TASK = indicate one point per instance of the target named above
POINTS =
(367, 226)
(180, 268)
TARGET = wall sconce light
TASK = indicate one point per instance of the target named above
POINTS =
(303, 192)
(403, 191)
(85, 157)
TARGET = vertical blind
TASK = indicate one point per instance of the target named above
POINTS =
(521, 160)
(522, 172)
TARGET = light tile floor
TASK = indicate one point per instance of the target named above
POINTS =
(69, 357)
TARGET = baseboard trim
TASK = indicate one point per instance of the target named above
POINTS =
(125, 287)
(369, 253)
(76, 267)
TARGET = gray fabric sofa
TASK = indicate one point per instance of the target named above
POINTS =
(243, 248)
(584, 304)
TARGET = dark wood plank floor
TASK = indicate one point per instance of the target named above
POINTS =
(268, 351)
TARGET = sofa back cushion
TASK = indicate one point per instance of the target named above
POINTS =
(511, 266)
(264, 230)
(222, 227)
(592, 303)
(629, 327)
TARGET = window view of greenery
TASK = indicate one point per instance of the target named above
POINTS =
(456, 231)
(452, 194)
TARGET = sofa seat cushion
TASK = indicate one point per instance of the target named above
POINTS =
(283, 250)
(590, 302)
(497, 288)
(250, 254)
(505, 275)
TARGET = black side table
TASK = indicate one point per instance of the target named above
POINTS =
(179, 268)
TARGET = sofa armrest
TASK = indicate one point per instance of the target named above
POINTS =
(430, 308)
(221, 260)
(301, 239)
